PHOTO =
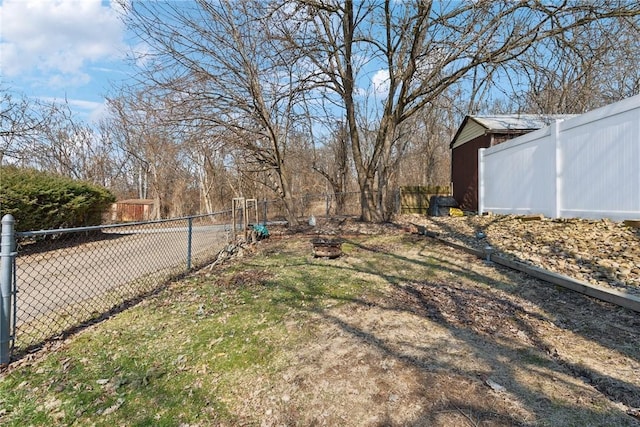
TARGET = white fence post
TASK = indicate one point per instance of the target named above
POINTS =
(481, 181)
(556, 136)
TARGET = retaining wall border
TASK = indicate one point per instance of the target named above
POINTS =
(620, 298)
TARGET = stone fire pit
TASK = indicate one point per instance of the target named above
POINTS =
(325, 247)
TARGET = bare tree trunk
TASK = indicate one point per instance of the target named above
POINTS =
(245, 65)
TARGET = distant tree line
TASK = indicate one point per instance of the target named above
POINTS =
(272, 99)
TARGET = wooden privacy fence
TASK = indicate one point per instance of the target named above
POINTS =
(415, 199)
(132, 210)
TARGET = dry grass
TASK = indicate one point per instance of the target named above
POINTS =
(468, 344)
(397, 331)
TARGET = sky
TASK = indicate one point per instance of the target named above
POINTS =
(73, 50)
(77, 50)
(63, 49)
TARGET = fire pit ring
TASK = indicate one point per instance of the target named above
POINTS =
(327, 247)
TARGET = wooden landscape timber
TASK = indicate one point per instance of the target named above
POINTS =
(620, 298)
(526, 218)
(633, 223)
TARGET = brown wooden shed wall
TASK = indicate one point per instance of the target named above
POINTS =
(132, 210)
(464, 172)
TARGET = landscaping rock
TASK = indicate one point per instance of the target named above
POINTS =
(600, 252)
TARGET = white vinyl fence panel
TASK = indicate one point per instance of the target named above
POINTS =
(585, 167)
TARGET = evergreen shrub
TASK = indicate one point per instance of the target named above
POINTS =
(43, 201)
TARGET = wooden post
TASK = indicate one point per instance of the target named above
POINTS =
(255, 205)
(246, 221)
(235, 202)
(633, 223)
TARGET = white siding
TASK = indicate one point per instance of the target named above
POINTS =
(471, 131)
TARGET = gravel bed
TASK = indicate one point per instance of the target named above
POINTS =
(601, 252)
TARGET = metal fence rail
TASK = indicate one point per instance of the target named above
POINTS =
(67, 277)
(53, 281)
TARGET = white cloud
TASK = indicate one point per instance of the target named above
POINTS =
(377, 86)
(94, 110)
(380, 82)
(73, 79)
(58, 38)
(90, 111)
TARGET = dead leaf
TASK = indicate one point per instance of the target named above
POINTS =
(495, 386)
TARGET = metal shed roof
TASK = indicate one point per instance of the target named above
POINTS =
(475, 126)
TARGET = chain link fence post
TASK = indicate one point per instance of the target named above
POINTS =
(7, 257)
(189, 242)
(264, 201)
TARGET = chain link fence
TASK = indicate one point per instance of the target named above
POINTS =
(54, 281)
(64, 278)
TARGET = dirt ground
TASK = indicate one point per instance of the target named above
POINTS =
(472, 344)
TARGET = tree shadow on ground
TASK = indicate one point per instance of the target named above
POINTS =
(571, 310)
(500, 324)
(588, 265)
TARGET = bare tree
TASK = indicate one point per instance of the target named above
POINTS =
(583, 69)
(47, 136)
(207, 152)
(21, 121)
(253, 68)
(65, 146)
(332, 161)
(142, 130)
(426, 160)
(422, 49)
(220, 65)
